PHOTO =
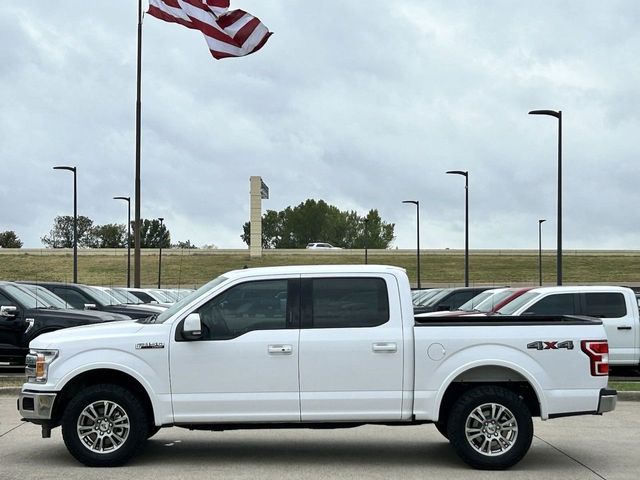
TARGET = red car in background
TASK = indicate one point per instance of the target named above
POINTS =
(487, 302)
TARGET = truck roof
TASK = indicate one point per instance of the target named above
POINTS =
(305, 269)
(580, 288)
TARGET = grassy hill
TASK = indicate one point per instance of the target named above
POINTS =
(193, 267)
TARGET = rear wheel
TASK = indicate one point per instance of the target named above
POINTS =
(104, 425)
(490, 428)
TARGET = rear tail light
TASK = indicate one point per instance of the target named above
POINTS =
(598, 353)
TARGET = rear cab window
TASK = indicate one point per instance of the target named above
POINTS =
(605, 305)
(344, 302)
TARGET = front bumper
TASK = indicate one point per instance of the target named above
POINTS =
(608, 400)
(36, 405)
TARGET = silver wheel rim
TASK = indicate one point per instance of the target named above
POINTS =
(103, 426)
(491, 429)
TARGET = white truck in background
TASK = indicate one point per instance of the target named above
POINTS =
(314, 347)
(616, 307)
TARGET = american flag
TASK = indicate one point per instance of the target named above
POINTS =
(228, 33)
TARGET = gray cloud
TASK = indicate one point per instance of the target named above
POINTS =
(362, 104)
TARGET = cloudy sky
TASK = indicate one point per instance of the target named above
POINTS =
(360, 103)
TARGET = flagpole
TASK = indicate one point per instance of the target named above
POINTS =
(136, 226)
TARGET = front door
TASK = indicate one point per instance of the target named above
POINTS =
(12, 329)
(245, 367)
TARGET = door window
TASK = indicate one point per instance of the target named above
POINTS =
(557, 304)
(6, 302)
(76, 299)
(605, 305)
(346, 302)
(260, 305)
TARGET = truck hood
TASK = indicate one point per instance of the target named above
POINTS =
(86, 333)
(86, 316)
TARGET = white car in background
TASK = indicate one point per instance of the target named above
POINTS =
(324, 246)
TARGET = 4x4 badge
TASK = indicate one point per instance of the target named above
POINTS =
(551, 345)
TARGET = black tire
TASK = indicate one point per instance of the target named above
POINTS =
(441, 426)
(129, 432)
(507, 426)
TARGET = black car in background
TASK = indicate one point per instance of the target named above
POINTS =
(449, 299)
(23, 317)
(84, 297)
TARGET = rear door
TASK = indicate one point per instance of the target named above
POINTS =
(618, 321)
(351, 348)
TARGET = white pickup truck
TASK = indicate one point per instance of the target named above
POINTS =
(313, 347)
(617, 307)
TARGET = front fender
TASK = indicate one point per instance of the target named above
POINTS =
(150, 375)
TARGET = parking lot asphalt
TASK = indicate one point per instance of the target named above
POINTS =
(585, 448)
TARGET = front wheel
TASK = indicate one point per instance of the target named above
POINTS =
(490, 428)
(104, 425)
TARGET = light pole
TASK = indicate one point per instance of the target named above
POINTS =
(465, 174)
(557, 115)
(75, 220)
(160, 255)
(417, 204)
(540, 222)
(366, 235)
(128, 200)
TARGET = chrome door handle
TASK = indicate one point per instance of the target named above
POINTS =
(280, 349)
(385, 347)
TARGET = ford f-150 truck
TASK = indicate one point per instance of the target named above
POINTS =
(314, 347)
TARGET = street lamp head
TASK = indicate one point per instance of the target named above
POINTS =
(464, 173)
(542, 220)
(64, 167)
(126, 199)
(415, 202)
(552, 113)
(161, 219)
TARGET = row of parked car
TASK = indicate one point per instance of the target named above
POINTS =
(29, 309)
(616, 307)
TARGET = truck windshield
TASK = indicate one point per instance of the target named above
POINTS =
(489, 303)
(103, 297)
(169, 312)
(27, 299)
(437, 297)
(512, 307)
(472, 304)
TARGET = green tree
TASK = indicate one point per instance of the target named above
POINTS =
(61, 235)
(317, 221)
(111, 235)
(152, 234)
(9, 239)
(181, 244)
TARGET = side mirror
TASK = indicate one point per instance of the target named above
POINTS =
(192, 327)
(90, 306)
(8, 312)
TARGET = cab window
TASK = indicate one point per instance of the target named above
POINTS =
(259, 305)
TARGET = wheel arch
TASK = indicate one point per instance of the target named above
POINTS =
(503, 374)
(101, 376)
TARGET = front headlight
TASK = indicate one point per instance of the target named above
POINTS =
(37, 364)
